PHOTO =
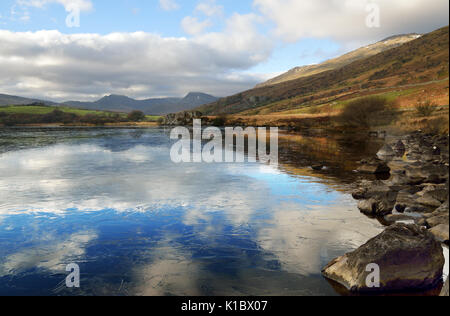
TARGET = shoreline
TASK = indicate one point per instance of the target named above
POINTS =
(50, 125)
(413, 205)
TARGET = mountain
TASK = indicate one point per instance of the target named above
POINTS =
(157, 106)
(361, 53)
(120, 103)
(420, 61)
(11, 99)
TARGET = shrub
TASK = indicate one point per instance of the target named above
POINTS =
(366, 112)
(136, 116)
(426, 108)
(219, 120)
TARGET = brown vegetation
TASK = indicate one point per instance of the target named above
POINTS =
(423, 60)
(367, 112)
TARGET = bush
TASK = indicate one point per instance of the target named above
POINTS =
(426, 108)
(136, 116)
(366, 112)
(220, 120)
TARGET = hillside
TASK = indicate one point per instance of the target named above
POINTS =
(361, 53)
(423, 60)
(158, 106)
(38, 113)
(6, 99)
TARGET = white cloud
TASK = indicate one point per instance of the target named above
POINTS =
(52, 254)
(192, 26)
(209, 8)
(169, 5)
(69, 5)
(49, 64)
(345, 20)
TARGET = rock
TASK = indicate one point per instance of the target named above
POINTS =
(428, 173)
(400, 207)
(317, 167)
(181, 118)
(377, 199)
(422, 222)
(386, 153)
(444, 291)
(402, 218)
(404, 198)
(416, 208)
(379, 189)
(443, 208)
(428, 201)
(436, 151)
(441, 232)
(408, 256)
(399, 149)
(359, 193)
(374, 166)
(376, 207)
(438, 220)
(436, 191)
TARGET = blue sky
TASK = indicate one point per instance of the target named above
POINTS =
(148, 15)
(239, 43)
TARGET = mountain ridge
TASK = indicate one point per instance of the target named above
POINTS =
(345, 59)
(421, 60)
(121, 103)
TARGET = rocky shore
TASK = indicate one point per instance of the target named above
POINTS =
(413, 204)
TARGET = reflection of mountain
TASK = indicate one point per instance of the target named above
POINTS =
(338, 155)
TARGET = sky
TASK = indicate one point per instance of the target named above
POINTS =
(84, 49)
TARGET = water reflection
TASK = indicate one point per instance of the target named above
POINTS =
(136, 223)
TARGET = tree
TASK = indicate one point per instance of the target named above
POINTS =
(136, 116)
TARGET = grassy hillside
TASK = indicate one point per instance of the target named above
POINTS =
(44, 114)
(42, 109)
(336, 63)
(421, 62)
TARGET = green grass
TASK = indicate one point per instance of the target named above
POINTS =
(152, 118)
(40, 109)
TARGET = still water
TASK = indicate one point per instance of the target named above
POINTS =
(112, 201)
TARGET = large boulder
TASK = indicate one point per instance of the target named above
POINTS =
(408, 256)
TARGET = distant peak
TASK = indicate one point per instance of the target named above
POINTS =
(115, 96)
(194, 94)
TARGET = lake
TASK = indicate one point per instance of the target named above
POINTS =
(112, 201)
